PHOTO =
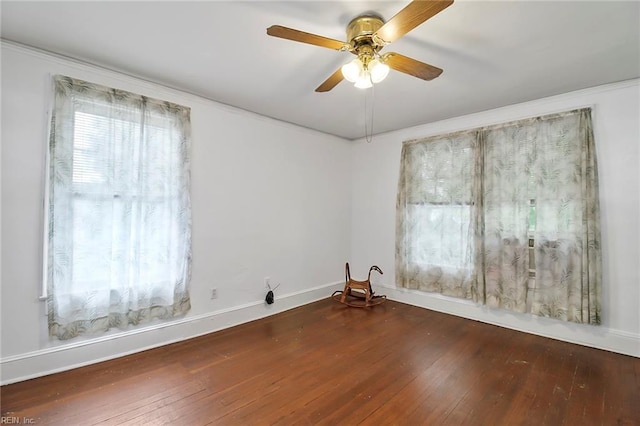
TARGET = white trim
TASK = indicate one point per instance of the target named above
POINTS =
(45, 192)
(550, 105)
(51, 360)
(73, 355)
(599, 337)
(146, 84)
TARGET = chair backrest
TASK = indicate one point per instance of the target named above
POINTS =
(349, 280)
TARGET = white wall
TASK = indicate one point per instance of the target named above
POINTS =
(616, 115)
(272, 199)
(268, 198)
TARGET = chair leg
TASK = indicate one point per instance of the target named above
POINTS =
(346, 291)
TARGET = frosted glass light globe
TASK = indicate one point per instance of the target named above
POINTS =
(351, 71)
(378, 70)
(364, 80)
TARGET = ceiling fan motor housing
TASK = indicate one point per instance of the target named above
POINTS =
(361, 29)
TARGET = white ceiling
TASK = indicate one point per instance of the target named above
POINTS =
(494, 53)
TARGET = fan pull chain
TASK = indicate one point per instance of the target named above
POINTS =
(368, 133)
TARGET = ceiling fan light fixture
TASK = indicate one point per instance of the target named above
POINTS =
(378, 70)
(351, 71)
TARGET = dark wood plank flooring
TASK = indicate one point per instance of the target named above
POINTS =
(324, 363)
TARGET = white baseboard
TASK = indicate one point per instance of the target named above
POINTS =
(68, 356)
(599, 337)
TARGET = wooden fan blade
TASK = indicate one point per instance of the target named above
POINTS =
(410, 66)
(302, 37)
(410, 17)
(331, 82)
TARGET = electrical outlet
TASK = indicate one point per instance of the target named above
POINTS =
(267, 282)
(214, 293)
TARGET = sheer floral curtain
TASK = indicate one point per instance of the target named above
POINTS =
(529, 240)
(567, 232)
(434, 247)
(506, 152)
(119, 215)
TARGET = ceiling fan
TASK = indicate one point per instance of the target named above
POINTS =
(367, 35)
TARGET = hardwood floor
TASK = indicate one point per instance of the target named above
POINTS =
(324, 363)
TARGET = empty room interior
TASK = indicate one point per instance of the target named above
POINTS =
(320, 212)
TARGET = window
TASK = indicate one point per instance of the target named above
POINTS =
(506, 215)
(119, 237)
(441, 234)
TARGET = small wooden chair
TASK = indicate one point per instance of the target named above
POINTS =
(358, 293)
